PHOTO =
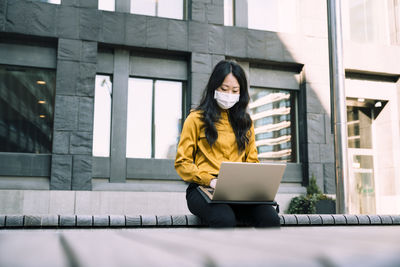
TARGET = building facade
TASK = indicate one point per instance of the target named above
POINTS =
(94, 94)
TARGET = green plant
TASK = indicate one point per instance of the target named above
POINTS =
(305, 204)
(301, 205)
(312, 188)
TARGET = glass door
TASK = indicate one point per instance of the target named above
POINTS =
(360, 157)
(373, 124)
(362, 184)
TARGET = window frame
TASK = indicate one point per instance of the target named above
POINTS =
(31, 54)
(240, 17)
(94, 104)
(290, 78)
(386, 24)
(183, 108)
(125, 6)
(47, 95)
(294, 112)
(138, 168)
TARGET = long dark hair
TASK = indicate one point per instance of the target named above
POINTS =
(238, 117)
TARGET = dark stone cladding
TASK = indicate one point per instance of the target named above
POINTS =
(61, 172)
(2, 221)
(82, 172)
(77, 25)
(80, 27)
(129, 221)
(31, 18)
(3, 5)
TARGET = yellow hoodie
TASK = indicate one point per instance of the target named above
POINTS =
(197, 162)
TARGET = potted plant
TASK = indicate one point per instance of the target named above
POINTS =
(313, 202)
(325, 205)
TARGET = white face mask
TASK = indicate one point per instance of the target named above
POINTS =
(226, 100)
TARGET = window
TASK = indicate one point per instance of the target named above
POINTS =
(173, 9)
(49, 1)
(26, 109)
(102, 116)
(366, 21)
(396, 31)
(108, 5)
(267, 15)
(140, 102)
(274, 115)
(154, 118)
(228, 13)
(373, 143)
(272, 15)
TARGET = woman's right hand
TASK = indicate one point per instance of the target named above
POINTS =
(213, 183)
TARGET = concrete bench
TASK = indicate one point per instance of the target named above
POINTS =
(110, 221)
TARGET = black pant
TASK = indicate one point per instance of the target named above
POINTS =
(227, 215)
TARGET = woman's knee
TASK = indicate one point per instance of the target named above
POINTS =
(267, 217)
(222, 216)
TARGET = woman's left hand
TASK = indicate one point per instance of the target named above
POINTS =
(213, 183)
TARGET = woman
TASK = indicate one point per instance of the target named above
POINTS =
(220, 129)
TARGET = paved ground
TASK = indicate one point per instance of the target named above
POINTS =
(286, 246)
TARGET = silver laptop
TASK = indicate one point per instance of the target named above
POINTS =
(245, 183)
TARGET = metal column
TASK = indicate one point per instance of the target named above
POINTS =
(338, 102)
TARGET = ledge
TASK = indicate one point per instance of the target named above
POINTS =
(120, 221)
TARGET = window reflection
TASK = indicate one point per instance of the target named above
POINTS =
(49, 1)
(154, 118)
(173, 9)
(146, 7)
(396, 37)
(139, 124)
(102, 116)
(273, 114)
(367, 21)
(167, 117)
(272, 15)
(26, 109)
(108, 5)
(228, 12)
(363, 24)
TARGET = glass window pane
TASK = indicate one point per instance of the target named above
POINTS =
(108, 5)
(143, 7)
(368, 21)
(139, 128)
(102, 116)
(263, 15)
(170, 9)
(26, 109)
(49, 1)
(167, 117)
(397, 19)
(173, 9)
(358, 21)
(274, 120)
(272, 15)
(228, 12)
